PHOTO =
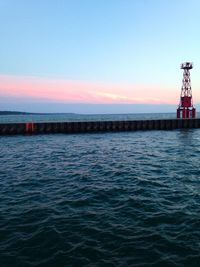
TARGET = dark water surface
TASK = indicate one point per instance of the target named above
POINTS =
(113, 199)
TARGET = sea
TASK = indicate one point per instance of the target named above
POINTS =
(100, 199)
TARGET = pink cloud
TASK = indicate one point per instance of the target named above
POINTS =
(85, 92)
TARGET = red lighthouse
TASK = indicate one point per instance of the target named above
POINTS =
(185, 109)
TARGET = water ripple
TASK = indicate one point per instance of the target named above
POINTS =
(117, 199)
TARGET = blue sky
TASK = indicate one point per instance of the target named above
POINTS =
(115, 42)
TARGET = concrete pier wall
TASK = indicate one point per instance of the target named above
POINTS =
(96, 126)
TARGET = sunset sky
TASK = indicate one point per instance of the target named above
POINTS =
(68, 55)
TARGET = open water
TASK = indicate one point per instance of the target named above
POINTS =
(111, 199)
(81, 117)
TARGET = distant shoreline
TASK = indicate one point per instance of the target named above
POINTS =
(26, 113)
(14, 113)
(20, 113)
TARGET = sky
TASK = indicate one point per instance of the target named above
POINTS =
(97, 56)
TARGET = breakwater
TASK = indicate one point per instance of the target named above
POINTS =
(96, 126)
